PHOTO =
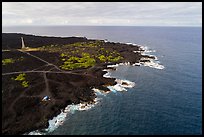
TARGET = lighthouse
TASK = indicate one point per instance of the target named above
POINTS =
(23, 44)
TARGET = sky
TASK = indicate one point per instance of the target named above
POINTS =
(102, 13)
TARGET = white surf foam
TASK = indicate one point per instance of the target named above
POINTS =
(117, 87)
(112, 66)
(105, 40)
(137, 51)
(106, 69)
(125, 83)
(136, 64)
(107, 75)
(116, 65)
(135, 44)
(154, 63)
(100, 92)
(35, 133)
(146, 49)
(59, 119)
(121, 84)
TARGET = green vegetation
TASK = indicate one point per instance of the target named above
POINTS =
(22, 79)
(107, 56)
(7, 61)
(10, 60)
(57, 48)
(86, 60)
(78, 62)
(63, 55)
(83, 54)
(114, 59)
(25, 84)
(102, 58)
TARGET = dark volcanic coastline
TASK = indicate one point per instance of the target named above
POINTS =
(64, 69)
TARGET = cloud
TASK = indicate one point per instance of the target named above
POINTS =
(102, 13)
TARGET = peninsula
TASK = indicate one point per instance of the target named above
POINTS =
(42, 75)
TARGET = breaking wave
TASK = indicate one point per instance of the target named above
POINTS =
(153, 63)
(121, 84)
(59, 119)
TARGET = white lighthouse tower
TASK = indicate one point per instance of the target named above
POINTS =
(23, 44)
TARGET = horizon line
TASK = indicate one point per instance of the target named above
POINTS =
(100, 26)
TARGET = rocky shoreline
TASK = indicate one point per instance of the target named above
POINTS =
(47, 74)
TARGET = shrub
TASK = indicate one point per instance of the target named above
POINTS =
(7, 61)
(21, 77)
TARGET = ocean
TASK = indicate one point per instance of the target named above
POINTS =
(163, 101)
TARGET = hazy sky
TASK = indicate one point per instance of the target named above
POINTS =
(102, 13)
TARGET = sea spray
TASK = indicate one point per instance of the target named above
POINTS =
(153, 63)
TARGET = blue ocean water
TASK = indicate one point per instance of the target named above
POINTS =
(167, 101)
